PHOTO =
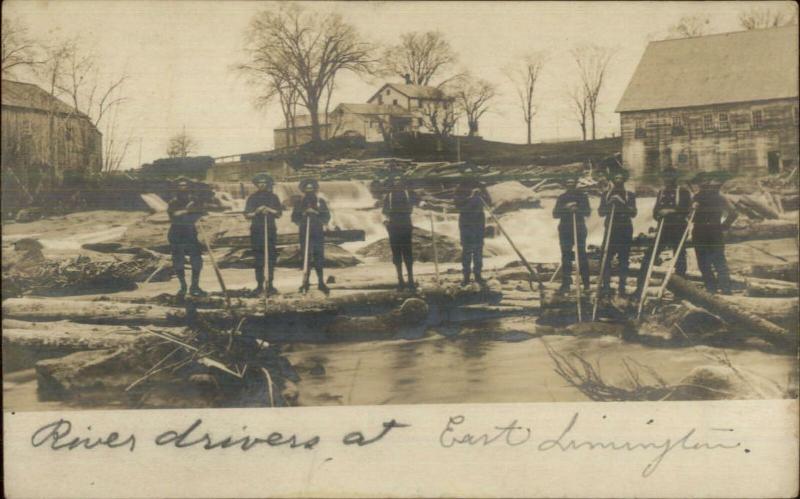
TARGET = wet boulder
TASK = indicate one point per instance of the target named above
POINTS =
(722, 382)
(335, 257)
(447, 248)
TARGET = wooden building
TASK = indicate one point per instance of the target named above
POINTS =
(718, 102)
(43, 139)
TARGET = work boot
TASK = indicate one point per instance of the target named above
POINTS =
(465, 280)
(196, 291)
(479, 279)
(412, 286)
(271, 290)
(564, 289)
(325, 289)
(621, 291)
(259, 289)
(401, 285)
(182, 280)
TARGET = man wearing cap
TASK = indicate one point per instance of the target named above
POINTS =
(398, 204)
(263, 204)
(708, 228)
(623, 203)
(311, 214)
(184, 211)
(672, 207)
(572, 201)
(470, 197)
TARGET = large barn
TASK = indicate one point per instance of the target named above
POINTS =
(42, 140)
(726, 101)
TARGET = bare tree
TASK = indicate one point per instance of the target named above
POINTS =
(18, 50)
(691, 26)
(73, 73)
(472, 97)
(307, 50)
(181, 145)
(592, 61)
(420, 56)
(440, 118)
(766, 17)
(580, 107)
(524, 77)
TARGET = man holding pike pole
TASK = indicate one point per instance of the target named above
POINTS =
(571, 209)
(622, 203)
(262, 209)
(398, 204)
(311, 214)
(470, 199)
(184, 211)
(673, 204)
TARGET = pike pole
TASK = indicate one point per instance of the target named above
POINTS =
(674, 261)
(527, 265)
(266, 260)
(578, 279)
(653, 254)
(435, 254)
(603, 261)
(216, 268)
(306, 276)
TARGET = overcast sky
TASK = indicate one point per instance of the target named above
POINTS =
(179, 56)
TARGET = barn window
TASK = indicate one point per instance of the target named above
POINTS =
(388, 91)
(639, 132)
(724, 124)
(677, 125)
(758, 119)
(708, 122)
(394, 101)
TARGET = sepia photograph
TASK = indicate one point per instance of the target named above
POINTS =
(212, 205)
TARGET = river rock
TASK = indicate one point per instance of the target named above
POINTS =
(512, 196)
(85, 374)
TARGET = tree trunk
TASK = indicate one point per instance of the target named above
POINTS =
(529, 131)
(594, 127)
(583, 130)
(743, 320)
(770, 288)
(782, 271)
(313, 110)
(473, 128)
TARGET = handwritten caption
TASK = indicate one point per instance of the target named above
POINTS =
(62, 435)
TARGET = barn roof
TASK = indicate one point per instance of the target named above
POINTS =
(390, 109)
(30, 96)
(730, 67)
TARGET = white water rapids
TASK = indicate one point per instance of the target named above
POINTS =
(353, 207)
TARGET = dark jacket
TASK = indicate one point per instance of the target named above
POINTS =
(623, 213)
(470, 208)
(708, 227)
(398, 204)
(318, 222)
(257, 200)
(678, 199)
(182, 228)
(561, 212)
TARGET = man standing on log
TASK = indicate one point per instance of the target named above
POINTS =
(398, 204)
(708, 228)
(311, 214)
(470, 198)
(672, 207)
(623, 203)
(572, 201)
(260, 205)
(184, 211)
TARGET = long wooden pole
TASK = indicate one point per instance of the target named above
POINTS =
(673, 263)
(266, 260)
(653, 255)
(216, 268)
(305, 254)
(528, 266)
(603, 261)
(435, 253)
(578, 281)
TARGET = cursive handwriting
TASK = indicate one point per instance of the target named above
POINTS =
(187, 438)
(512, 435)
(57, 434)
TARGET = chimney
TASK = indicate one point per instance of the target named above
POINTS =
(407, 78)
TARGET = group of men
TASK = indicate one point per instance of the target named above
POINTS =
(674, 210)
(262, 208)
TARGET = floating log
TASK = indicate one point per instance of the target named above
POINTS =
(331, 236)
(780, 311)
(757, 205)
(770, 288)
(789, 272)
(770, 229)
(742, 320)
(91, 312)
